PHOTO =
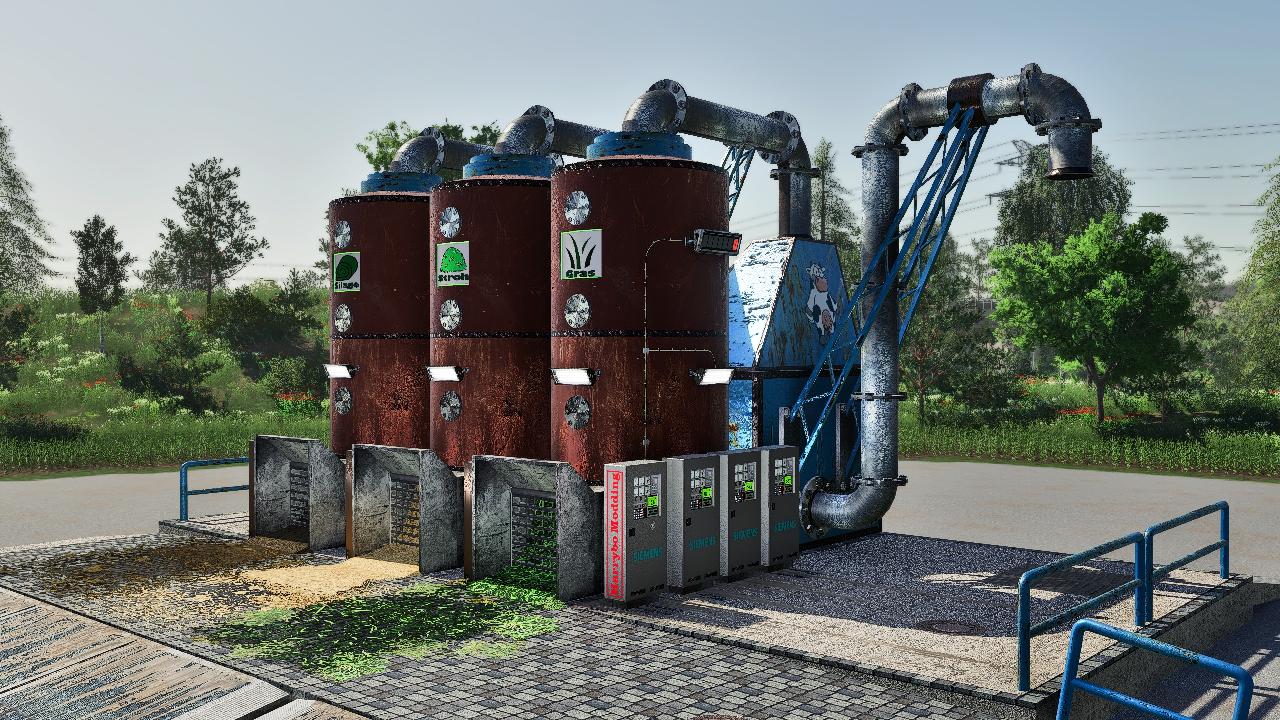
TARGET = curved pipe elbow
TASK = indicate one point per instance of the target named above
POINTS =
(538, 132)
(852, 510)
(430, 151)
(654, 111)
(1057, 110)
(420, 154)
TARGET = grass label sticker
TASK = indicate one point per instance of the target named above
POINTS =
(346, 272)
(453, 264)
(581, 254)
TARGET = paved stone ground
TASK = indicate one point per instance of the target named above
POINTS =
(593, 667)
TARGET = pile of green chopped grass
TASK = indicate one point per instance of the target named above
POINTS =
(354, 637)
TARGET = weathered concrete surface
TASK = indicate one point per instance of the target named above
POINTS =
(269, 490)
(37, 511)
(1070, 510)
(440, 514)
(579, 520)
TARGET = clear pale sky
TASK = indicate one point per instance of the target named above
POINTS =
(109, 103)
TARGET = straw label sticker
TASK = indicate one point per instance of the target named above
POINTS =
(346, 272)
(453, 264)
(581, 254)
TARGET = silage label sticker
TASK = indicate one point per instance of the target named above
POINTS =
(346, 272)
(453, 264)
(581, 254)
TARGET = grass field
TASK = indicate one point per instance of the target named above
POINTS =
(150, 442)
(1072, 442)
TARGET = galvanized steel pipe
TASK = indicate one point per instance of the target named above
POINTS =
(538, 132)
(667, 107)
(430, 151)
(1051, 105)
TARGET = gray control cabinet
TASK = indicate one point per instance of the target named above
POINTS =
(780, 510)
(693, 521)
(635, 530)
(739, 499)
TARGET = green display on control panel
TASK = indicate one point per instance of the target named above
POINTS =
(653, 501)
(749, 486)
(788, 481)
(706, 492)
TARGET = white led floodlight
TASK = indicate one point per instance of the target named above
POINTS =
(340, 372)
(712, 376)
(573, 376)
(445, 373)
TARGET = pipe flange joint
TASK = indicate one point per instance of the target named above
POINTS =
(898, 481)
(1028, 80)
(815, 485)
(549, 119)
(434, 134)
(876, 147)
(872, 397)
(1093, 124)
(681, 98)
(793, 142)
(906, 99)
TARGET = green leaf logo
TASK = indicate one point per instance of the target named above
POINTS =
(346, 267)
(452, 261)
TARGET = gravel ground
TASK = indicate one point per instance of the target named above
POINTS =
(882, 601)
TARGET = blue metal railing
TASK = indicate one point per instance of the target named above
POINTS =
(1222, 546)
(1071, 683)
(1026, 630)
(183, 491)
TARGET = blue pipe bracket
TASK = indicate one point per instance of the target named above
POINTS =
(1222, 546)
(1071, 683)
(1026, 630)
(183, 490)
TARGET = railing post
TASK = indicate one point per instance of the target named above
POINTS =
(1140, 574)
(182, 491)
(1024, 635)
(1224, 534)
(1069, 672)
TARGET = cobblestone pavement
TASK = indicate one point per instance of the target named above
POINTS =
(593, 667)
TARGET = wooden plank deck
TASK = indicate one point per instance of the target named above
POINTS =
(55, 664)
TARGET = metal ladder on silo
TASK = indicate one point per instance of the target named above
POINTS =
(921, 243)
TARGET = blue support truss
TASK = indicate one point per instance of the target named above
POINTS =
(737, 161)
(921, 243)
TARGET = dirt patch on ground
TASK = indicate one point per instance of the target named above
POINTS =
(328, 581)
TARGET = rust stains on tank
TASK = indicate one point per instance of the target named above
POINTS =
(497, 324)
(382, 328)
(643, 208)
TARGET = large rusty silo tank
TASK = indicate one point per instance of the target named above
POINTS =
(489, 298)
(380, 259)
(613, 220)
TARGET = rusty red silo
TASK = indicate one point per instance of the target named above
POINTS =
(612, 220)
(378, 305)
(489, 324)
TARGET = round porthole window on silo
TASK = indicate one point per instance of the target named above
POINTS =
(577, 412)
(450, 406)
(342, 401)
(450, 222)
(342, 234)
(450, 315)
(342, 318)
(577, 311)
(577, 207)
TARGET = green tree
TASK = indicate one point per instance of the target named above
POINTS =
(1251, 314)
(264, 321)
(832, 216)
(178, 370)
(1113, 299)
(379, 146)
(16, 318)
(24, 238)
(101, 269)
(1036, 210)
(945, 335)
(215, 239)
